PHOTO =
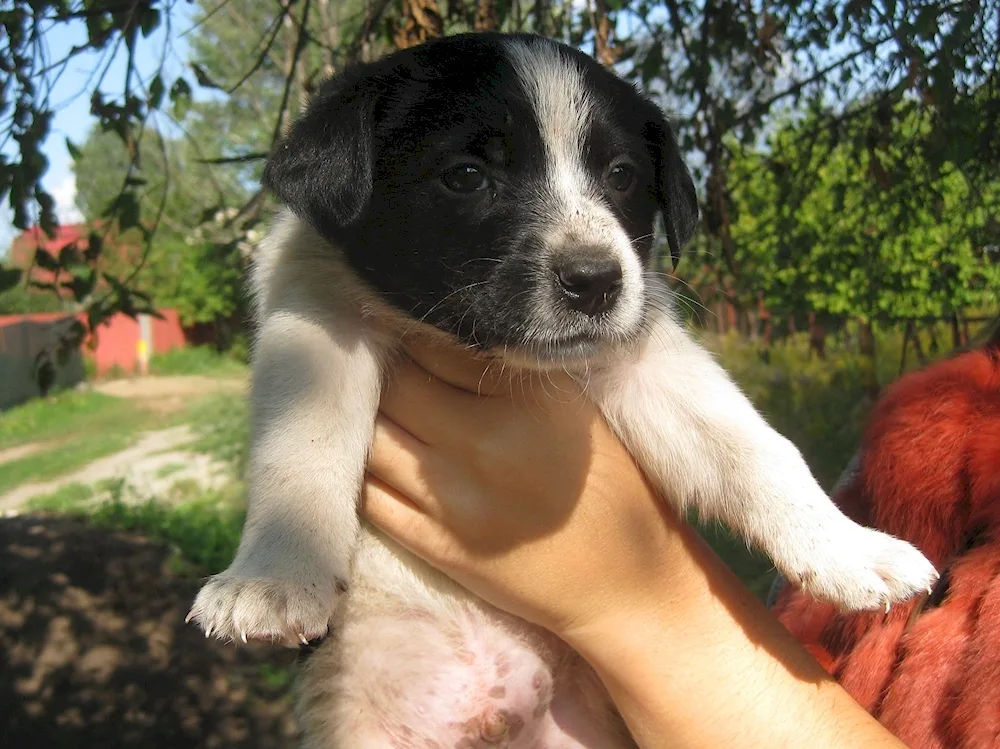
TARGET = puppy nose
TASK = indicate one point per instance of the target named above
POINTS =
(590, 284)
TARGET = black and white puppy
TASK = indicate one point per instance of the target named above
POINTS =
(500, 190)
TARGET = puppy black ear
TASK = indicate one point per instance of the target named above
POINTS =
(322, 169)
(674, 187)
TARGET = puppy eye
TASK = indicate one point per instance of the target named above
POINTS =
(465, 179)
(621, 177)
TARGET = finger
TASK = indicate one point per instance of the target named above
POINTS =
(397, 517)
(431, 410)
(403, 462)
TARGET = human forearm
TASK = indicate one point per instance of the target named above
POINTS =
(708, 666)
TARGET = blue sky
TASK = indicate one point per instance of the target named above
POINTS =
(70, 98)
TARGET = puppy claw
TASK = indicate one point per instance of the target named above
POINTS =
(189, 617)
(861, 569)
(238, 609)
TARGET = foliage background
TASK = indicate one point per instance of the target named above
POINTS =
(846, 152)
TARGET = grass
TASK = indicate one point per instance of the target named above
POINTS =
(58, 461)
(275, 677)
(77, 428)
(63, 414)
(197, 360)
(222, 422)
(169, 470)
(65, 500)
(203, 532)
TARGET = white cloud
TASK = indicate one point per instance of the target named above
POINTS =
(64, 194)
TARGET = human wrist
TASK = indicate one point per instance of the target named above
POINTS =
(670, 602)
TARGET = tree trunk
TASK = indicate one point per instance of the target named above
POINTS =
(935, 344)
(958, 339)
(918, 346)
(866, 346)
(817, 337)
(486, 16)
(419, 21)
(907, 332)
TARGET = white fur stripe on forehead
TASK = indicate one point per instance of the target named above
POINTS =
(572, 213)
(559, 96)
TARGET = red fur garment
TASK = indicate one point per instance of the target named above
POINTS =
(929, 473)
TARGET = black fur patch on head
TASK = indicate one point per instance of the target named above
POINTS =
(385, 165)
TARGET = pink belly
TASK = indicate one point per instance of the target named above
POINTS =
(464, 683)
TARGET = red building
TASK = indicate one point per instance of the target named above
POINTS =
(116, 342)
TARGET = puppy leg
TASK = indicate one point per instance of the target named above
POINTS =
(702, 443)
(316, 386)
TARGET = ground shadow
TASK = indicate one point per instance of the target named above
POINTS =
(94, 651)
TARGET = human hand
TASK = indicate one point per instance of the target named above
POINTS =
(517, 489)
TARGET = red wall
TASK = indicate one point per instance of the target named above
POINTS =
(116, 339)
(168, 333)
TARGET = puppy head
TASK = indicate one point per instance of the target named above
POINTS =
(502, 188)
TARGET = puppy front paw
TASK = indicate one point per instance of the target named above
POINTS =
(862, 569)
(290, 611)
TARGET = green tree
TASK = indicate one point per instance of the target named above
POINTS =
(168, 175)
(730, 70)
(842, 230)
(184, 268)
(856, 228)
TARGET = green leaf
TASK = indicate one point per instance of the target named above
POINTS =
(126, 209)
(9, 278)
(74, 150)
(652, 64)
(94, 245)
(97, 314)
(149, 21)
(81, 286)
(156, 91)
(98, 29)
(45, 261)
(47, 217)
(204, 79)
(68, 256)
(180, 96)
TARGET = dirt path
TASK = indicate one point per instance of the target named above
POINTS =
(23, 451)
(94, 651)
(155, 463)
(169, 394)
(149, 468)
(157, 386)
